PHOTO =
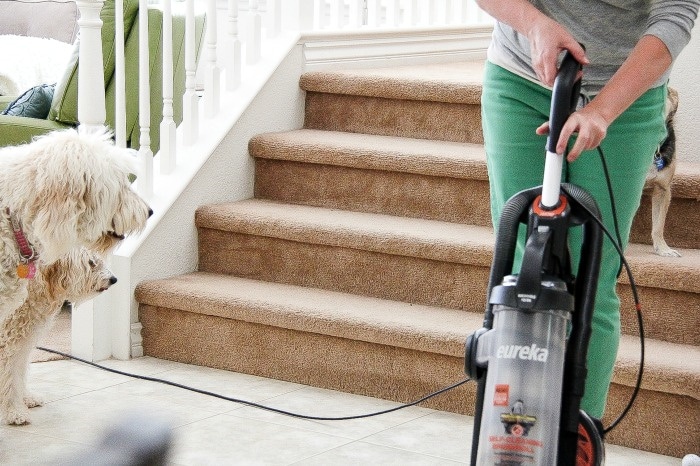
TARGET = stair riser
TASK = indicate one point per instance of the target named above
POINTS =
(394, 117)
(384, 192)
(346, 365)
(668, 315)
(431, 197)
(381, 371)
(386, 276)
(682, 222)
(659, 422)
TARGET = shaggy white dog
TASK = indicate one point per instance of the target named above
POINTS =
(62, 191)
(76, 277)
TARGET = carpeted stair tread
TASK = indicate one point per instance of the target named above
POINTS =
(686, 180)
(454, 242)
(415, 237)
(668, 367)
(454, 82)
(672, 273)
(375, 152)
(422, 328)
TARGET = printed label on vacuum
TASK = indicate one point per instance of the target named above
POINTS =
(526, 353)
(500, 396)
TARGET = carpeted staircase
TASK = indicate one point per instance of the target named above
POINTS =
(361, 263)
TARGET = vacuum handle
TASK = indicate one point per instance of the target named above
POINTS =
(564, 98)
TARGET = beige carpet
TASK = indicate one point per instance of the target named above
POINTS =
(58, 337)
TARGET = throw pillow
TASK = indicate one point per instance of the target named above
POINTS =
(35, 103)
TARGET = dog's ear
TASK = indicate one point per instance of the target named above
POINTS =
(54, 227)
(56, 278)
(671, 103)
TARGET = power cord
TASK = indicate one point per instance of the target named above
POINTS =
(250, 403)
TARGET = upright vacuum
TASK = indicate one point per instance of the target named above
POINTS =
(529, 359)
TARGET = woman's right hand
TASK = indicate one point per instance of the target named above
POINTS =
(547, 40)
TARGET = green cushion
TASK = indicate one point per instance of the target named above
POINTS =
(64, 107)
(34, 103)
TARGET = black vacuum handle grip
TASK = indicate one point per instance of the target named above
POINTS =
(564, 98)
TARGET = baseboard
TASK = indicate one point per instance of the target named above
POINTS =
(365, 49)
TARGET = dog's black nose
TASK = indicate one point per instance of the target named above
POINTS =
(150, 211)
(112, 280)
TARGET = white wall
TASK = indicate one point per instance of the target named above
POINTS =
(684, 78)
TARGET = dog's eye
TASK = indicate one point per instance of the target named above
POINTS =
(92, 263)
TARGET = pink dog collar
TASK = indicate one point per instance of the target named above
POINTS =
(27, 255)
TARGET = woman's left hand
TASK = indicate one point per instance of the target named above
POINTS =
(589, 126)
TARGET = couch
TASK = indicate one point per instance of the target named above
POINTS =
(63, 109)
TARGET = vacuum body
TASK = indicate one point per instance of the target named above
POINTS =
(529, 359)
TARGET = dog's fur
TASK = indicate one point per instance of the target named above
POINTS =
(68, 190)
(659, 180)
(76, 277)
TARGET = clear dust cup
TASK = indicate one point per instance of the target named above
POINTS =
(524, 352)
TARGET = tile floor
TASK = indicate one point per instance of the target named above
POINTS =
(211, 431)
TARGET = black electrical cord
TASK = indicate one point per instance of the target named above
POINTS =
(617, 243)
(250, 403)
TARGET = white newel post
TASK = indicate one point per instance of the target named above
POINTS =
(167, 153)
(91, 82)
(85, 320)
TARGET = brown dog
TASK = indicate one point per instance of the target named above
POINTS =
(659, 179)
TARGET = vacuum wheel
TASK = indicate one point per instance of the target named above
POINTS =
(590, 451)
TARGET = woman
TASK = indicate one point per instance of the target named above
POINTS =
(630, 46)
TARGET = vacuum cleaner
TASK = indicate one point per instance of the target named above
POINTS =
(529, 359)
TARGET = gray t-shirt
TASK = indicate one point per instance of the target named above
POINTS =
(609, 29)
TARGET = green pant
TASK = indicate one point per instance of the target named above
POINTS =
(512, 108)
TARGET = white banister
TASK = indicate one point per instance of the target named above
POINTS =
(254, 45)
(190, 101)
(168, 156)
(232, 49)
(119, 76)
(144, 181)
(306, 15)
(275, 9)
(91, 92)
(356, 13)
(212, 79)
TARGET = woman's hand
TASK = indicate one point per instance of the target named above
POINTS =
(547, 40)
(589, 126)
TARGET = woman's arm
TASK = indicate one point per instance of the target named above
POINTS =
(648, 61)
